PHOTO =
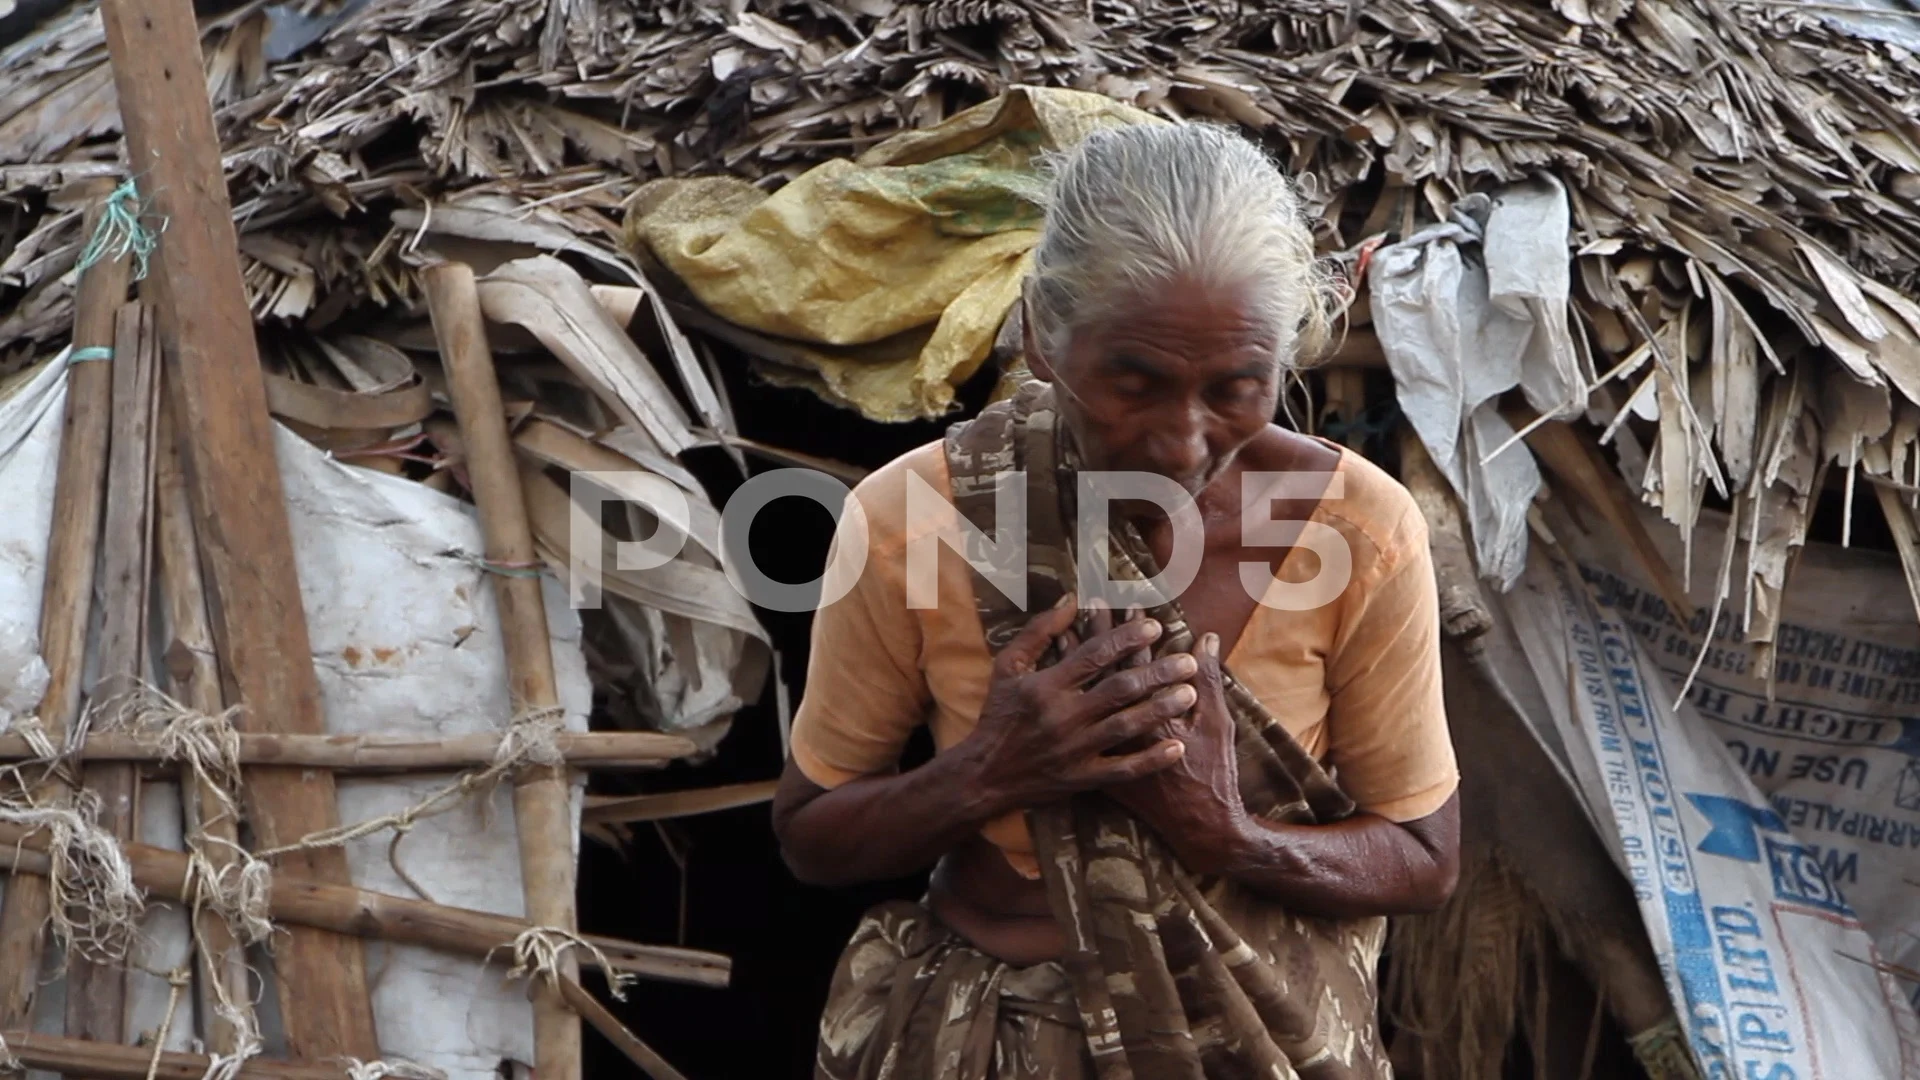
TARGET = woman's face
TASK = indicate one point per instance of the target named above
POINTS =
(1176, 384)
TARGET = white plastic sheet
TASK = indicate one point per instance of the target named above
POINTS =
(406, 640)
(1465, 311)
(27, 471)
(1771, 971)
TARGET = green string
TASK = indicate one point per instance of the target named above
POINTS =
(91, 352)
(506, 569)
(121, 232)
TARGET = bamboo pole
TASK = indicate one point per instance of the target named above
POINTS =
(67, 602)
(630, 809)
(541, 799)
(80, 1058)
(194, 677)
(384, 753)
(609, 1025)
(97, 993)
(344, 909)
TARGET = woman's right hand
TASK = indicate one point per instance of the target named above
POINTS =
(1045, 734)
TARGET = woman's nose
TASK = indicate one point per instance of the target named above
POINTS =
(1180, 444)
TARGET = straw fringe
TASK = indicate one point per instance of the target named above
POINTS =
(1459, 978)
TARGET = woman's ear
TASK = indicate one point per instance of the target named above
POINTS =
(1030, 343)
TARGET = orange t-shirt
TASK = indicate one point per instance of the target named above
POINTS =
(1356, 681)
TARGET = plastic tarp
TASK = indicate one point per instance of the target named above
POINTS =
(1465, 311)
(895, 268)
(1765, 840)
(406, 641)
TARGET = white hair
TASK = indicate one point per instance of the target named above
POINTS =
(1136, 207)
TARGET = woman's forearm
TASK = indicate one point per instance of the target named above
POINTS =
(880, 827)
(1365, 865)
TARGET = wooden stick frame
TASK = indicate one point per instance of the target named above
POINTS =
(78, 508)
(225, 570)
(361, 754)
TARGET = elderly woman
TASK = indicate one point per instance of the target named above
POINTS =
(1163, 840)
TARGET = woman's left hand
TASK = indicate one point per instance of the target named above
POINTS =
(1195, 804)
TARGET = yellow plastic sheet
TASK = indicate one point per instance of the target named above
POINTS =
(891, 271)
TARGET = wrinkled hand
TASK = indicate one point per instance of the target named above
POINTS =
(1045, 734)
(1195, 804)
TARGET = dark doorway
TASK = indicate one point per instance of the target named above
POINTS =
(738, 897)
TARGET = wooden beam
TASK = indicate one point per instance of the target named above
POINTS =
(78, 1058)
(542, 800)
(193, 676)
(67, 603)
(1577, 464)
(387, 753)
(1463, 608)
(1359, 348)
(97, 993)
(239, 504)
(363, 913)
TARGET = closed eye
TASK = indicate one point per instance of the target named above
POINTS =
(1132, 376)
(1238, 391)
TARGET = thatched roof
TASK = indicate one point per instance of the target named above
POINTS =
(1741, 175)
(1701, 128)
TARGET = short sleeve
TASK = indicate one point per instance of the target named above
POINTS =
(865, 689)
(1387, 724)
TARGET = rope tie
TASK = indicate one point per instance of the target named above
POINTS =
(90, 352)
(239, 892)
(228, 1066)
(537, 953)
(32, 730)
(531, 739)
(208, 744)
(247, 1041)
(177, 982)
(39, 742)
(96, 907)
(121, 232)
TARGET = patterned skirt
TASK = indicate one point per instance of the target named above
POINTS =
(912, 1000)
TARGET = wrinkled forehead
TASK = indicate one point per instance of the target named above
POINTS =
(1186, 324)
